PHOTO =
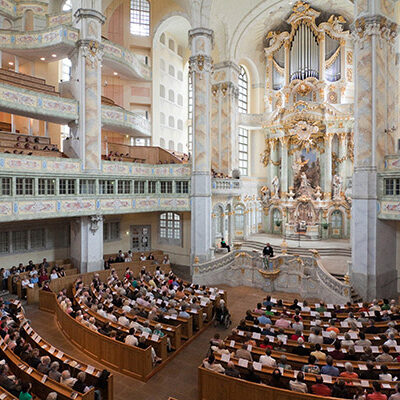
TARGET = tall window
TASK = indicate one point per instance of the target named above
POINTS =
(243, 133)
(190, 114)
(140, 17)
(66, 66)
(170, 228)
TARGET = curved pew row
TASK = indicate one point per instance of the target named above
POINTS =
(74, 365)
(126, 359)
(42, 385)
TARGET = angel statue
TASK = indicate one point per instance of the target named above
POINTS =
(337, 187)
(275, 185)
(265, 194)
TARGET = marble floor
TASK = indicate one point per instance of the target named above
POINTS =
(179, 377)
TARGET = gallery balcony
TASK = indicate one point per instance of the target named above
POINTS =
(226, 186)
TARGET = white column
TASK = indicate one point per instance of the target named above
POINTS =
(373, 271)
(200, 64)
(87, 243)
(16, 64)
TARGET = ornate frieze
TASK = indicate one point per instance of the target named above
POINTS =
(201, 64)
(225, 88)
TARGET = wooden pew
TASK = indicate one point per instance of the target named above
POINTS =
(126, 359)
(40, 384)
(46, 349)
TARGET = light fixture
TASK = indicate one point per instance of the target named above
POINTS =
(54, 55)
(115, 73)
(10, 63)
(42, 59)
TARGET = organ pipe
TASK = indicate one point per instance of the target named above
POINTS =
(304, 54)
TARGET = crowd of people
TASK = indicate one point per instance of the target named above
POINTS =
(329, 347)
(25, 145)
(128, 257)
(139, 304)
(12, 334)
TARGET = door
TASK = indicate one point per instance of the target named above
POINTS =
(141, 237)
(337, 224)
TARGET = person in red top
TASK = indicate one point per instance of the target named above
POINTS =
(43, 277)
(376, 394)
(296, 335)
(337, 354)
(319, 388)
(265, 344)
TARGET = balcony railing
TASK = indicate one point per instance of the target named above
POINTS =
(226, 186)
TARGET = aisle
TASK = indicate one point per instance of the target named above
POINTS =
(179, 377)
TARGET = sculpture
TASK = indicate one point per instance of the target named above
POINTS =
(318, 194)
(265, 194)
(337, 187)
(275, 184)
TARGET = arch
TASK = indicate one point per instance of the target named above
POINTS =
(162, 118)
(171, 121)
(171, 44)
(240, 220)
(180, 147)
(336, 220)
(162, 143)
(171, 70)
(162, 91)
(171, 145)
(7, 24)
(276, 221)
(218, 223)
(162, 64)
(180, 124)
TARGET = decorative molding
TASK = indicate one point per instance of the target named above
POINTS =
(200, 64)
(94, 223)
(376, 25)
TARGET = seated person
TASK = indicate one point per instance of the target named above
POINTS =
(224, 245)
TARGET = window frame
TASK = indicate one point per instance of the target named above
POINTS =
(139, 18)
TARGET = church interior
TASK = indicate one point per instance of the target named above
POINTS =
(199, 199)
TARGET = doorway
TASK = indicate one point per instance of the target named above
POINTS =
(140, 238)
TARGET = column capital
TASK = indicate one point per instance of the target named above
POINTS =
(374, 25)
(89, 13)
(200, 63)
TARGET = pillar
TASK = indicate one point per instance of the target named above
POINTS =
(200, 67)
(373, 272)
(87, 243)
(86, 83)
(342, 157)
(224, 114)
(328, 166)
(284, 167)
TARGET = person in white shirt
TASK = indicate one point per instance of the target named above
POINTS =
(126, 307)
(315, 336)
(347, 342)
(267, 359)
(101, 311)
(122, 320)
(128, 257)
(391, 342)
(131, 339)
(385, 375)
(143, 257)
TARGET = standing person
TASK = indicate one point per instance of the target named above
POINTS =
(268, 252)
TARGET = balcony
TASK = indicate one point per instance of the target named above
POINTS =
(118, 119)
(61, 40)
(226, 187)
(42, 187)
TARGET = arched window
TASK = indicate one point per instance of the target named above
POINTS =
(162, 38)
(171, 121)
(140, 17)
(162, 64)
(171, 95)
(171, 44)
(171, 145)
(162, 91)
(171, 228)
(162, 143)
(180, 147)
(180, 50)
(171, 70)
(239, 218)
(66, 65)
(180, 100)
(180, 124)
(67, 5)
(243, 133)
(162, 118)
(180, 75)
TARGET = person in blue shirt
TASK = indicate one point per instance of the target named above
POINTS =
(264, 320)
(268, 302)
(35, 278)
(183, 313)
(329, 369)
